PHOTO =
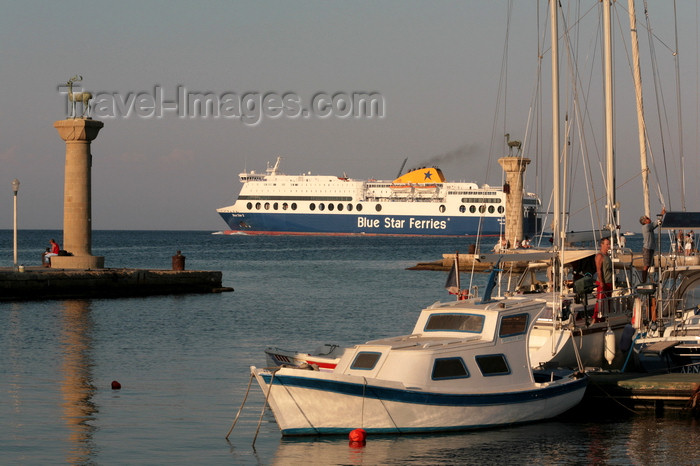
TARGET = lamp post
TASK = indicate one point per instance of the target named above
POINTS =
(15, 188)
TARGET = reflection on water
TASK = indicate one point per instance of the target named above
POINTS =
(76, 379)
(651, 441)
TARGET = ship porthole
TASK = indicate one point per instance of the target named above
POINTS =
(359, 207)
(275, 206)
(482, 209)
(378, 207)
(442, 208)
(321, 206)
(267, 206)
(492, 209)
(294, 206)
(257, 205)
(312, 206)
(285, 206)
(349, 207)
(340, 207)
(472, 209)
(331, 206)
(500, 209)
(462, 208)
(249, 205)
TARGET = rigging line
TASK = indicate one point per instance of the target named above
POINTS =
(658, 93)
(596, 200)
(500, 92)
(678, 103)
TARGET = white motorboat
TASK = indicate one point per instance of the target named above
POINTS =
(464, 366)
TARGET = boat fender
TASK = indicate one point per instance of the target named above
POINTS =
(609, 346)
(637, 313)
(626, 338)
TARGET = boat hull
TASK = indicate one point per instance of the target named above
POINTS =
(321, 403)
(359, 224)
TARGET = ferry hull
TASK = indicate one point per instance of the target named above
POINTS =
(358, 224)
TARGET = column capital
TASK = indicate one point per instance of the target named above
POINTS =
(78, 129)
(513, 164)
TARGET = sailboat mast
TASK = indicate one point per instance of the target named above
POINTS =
(609, 160)
(556, 220)
(640, 107)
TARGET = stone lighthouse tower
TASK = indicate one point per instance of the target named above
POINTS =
(78, 133)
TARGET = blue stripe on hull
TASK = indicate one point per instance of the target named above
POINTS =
(403, 430)
(434, 399)
(357, 224)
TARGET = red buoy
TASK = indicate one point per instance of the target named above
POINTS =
(116, 385)
(358, 435)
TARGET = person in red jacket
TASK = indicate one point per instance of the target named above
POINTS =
(53, 251)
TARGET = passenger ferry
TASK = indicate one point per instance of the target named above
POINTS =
(418, 203)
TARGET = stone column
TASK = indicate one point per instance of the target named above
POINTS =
(514, 168)
(77, 194)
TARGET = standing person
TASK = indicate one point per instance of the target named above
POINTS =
(649, 242)
(604, 272)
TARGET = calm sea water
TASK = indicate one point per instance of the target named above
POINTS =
(183, 360)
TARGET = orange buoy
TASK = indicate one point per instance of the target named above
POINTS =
(116, 385)
(358, 435)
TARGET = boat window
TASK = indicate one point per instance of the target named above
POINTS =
(442, 208)
(501, 209)
(321, 206)
(472, 208)
(275, 206)
(359, 207)
(249, 205)
(378, 207)
(331, 206)
(285, 206)
(294, 206)
(513, 325)
(257, 205)
(312, 206)
(349, 207)
(482, 209)
(365, 360)
(449, 368)
(457, 322)
(691, 295)
(340, 207)
(462, 208)
(267, 206)
(493, 364)
(492, 209)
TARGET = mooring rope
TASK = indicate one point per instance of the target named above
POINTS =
(250, 381)
(267, 397)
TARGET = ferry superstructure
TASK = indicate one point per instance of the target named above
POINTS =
(418, 203)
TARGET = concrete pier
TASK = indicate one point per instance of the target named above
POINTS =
(38, 283)
(658, 392)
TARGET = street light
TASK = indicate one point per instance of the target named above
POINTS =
(15, 188)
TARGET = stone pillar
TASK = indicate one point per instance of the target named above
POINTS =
(514, 168)
(77, 194)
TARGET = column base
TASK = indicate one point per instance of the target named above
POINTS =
(77, 262)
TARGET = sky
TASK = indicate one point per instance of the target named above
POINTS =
(452, 77)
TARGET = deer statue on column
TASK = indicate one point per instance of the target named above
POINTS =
(82, 97)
